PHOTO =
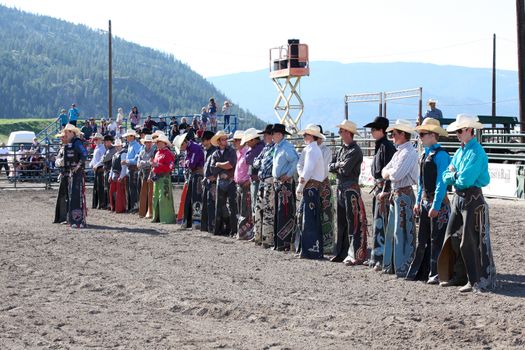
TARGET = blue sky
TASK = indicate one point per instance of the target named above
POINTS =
(229, 36)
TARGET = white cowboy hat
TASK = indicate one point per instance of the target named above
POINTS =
(237, 135)
(178, 141)
(349, 126)
(118, 142)
(131, 133)
(464, 121)
(72, 128)
(97, 136)
(250, 134)
(312, 129)
(432, 125)
(163, 138)
(147, 138)
(431, 100)
(215, 139)
(403, 125)
(157, 133)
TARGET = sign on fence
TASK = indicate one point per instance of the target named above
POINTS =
(503, 181)
(366, 179)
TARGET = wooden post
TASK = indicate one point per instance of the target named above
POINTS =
(110, 75)
(494, 78)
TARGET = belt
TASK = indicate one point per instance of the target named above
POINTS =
(132, 167)
(406, 190)
(198, 171)
(470, 191)
(162, 174)
(313, 184)
(224, 176)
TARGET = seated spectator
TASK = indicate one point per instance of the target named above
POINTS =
(149, 123)
(161, 125)
(183, 125)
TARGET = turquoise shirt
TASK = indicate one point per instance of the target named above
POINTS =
(133, 152)
(472, 167)
(284, 160)
(442, 160)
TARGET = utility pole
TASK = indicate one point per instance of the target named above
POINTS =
(110, 75)
(520, 19)
(494, 78)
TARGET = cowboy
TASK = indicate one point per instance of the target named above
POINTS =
(74, 160)
(402, 171)
(162, 165)
(350, 244)
(209, 189)
(146, 184)
(62, 203)
(118, 179)
(222, 166)
(264, 206)
(99, 200)
(241, 177)
(252, 139)
(106, 161)
(432, 205)
(285, 160)
(327, 209)
(311, 169)
(384, 150)
(131, 162)
(467, 251)
(194, 161)
(433, 112)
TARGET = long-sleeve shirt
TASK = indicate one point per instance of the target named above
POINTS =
(327, 158)
(347, 164)
(384, 150)
(442, 160)
(134, 118)
(285, 159)
(433, 113)
(251, 154)
(165, 160)
(207, 163)
(313, 163)
(263, 163)
(403, 168)
(145, 157)
(241, 174)
(194, 156)
(133, 152)
(98, 156)
(108, 156)
(471, 163)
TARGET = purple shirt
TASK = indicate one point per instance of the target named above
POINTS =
(194, 156)
(241, 169)
(254, 152)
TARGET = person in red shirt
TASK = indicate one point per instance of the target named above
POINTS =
(162, 166)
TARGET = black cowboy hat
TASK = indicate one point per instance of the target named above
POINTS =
(146, 131)
(109, 138)
(207, 135)
(267, 129)
(280, 128)
(379, 123)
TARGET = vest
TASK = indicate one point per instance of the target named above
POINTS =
(428, 171)
(71, 156)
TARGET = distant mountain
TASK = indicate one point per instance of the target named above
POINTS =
(457, 89)
(46, 64)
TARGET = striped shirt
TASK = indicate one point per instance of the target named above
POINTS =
(403, 168)
(264, 162)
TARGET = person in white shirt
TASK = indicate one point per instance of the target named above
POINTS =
(112, 127)
(309, 240)
(402, 171)
(99, 194)
(4, 152)
(327, 209)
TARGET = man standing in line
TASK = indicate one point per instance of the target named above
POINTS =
(131, 160)
(209, 189)
(99, 199)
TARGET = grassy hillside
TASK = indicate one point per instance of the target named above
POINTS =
(9, 125)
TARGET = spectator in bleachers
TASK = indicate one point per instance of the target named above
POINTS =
(212, 111)
(73, 115)
(149, 123)
(433, 112)
(4, 151)
(226, 110)
(120, 121)
(162, 125)
(174, 128)
(183, 125)
(112, 127)
(63, 118)
(134, 117)
(204, 118)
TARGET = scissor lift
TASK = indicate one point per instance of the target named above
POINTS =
(288, 63)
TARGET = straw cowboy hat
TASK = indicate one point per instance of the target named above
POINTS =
(237, 135)
(312, 129)
(250, 134)
(164, 138)
(432, 125)
(215, 139)
(72, 128)
(131, 133)
(157, 133)
(147, 138)
(97, 136)
(178, 141)
(431, 101)
(464, 121)
(402, 125)
(118, 142)
(348, 126)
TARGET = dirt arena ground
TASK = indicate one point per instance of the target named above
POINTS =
(124, 283)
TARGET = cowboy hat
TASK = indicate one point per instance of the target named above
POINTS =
(465, 121)
(109, 138)
(432, 125)
(402, 125)
(250, 134)
(267, 129)
(130, 133)
(72, 128)
(118, 142)
(207, 135)
(280, 128)
(97, 136)
(178, 141)
(348, 126)
(164, 138)
(147, 138)
(157, 133)
(237, 135)
(431, 100)
(215, 139)
(379, 123)
(312, 129)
